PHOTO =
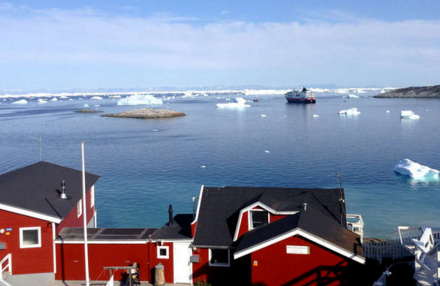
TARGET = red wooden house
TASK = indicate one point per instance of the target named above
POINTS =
(33, 211)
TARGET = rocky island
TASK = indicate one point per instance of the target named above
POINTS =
(412, 92)
(87, 111)
(146, 113)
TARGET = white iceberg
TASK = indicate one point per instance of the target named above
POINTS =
(86, 105)
(415, 170)
(351, 111)
(351, 96)
(240, 103)
(21, 101)
(263, 115)
(54, 99)
(140, 99)
(408, 114)
(96, 98)
(388, 111)
(41, 101)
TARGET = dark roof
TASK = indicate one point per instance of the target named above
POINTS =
(105, 234)
(180, 229)
(37, 187)
(311, 221)
(220, 208)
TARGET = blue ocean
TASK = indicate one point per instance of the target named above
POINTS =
(145, 165)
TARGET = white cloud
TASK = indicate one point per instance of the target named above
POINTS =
(90, 37)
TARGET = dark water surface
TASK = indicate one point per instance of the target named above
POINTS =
(145, 165)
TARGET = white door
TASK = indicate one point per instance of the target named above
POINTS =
(182, 266)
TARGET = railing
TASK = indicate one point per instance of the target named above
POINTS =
(382, 281)
(8, 261)
(355, 223)
(379, 249)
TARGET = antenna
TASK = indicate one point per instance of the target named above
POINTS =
(341, 199)
(39, 141)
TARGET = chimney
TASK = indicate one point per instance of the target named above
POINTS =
(170, 213)
(305, 206)
(63, 190)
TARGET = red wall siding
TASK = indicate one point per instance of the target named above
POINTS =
(72, 219)
(26, 260)
(276, 267)
(274, 218)
(244, 226)
(71, 265)
(167, 263)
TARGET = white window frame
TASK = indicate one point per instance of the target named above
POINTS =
(251, 223)
(167, 248)
(33, 245)
(79, 210)
(92, 196)
(220, 264)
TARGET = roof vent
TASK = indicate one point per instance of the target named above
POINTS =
(305, 206)
(170, 213)
(63, 190)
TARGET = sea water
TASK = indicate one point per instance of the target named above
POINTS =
(145, 165)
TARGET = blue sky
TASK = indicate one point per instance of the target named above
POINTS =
(147, 44)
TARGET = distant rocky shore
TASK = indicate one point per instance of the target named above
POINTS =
(412, 92)
(146, 113)
(87, 111)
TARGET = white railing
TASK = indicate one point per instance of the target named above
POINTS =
(7, 260)
(378, 249)
(355, 223)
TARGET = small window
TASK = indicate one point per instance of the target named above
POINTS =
(219, 257)
(162, 252)
(79, 208)
(258, 218)
(30, 237)
(92, 196)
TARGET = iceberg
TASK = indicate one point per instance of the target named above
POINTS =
(54, 99)
(351, 96)
(139, 99)
(315, 115)
(408, 114)
(21, 101)
(240, 103)
(96, 98)
(86, 105)
(41, 101)
(414, 170)
(351, 111)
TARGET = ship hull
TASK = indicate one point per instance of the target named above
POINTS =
(300, 100)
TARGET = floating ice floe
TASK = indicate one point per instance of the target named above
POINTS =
(408, 114)
(351, 111)
(140, 99)
(203, 167)
(387, 111)
(415, 170)
(155, 130)
(97, 98)
(54, 99)
(351, 96)
(315, 115)
(41, 101)
(115, 96)
(21, 101)
(263, 115)
(267, 151)
(86, 105)
(240, 102)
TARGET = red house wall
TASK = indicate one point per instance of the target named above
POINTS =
(274, 218)
(72, 219)
(272, 266)
(26, 260)
(71, 265)
(167, 263)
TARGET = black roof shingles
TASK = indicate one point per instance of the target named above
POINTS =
(179, 230)
(37, 188)
(220, 208)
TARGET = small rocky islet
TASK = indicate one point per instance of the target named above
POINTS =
(412, 92)
(146, 113)
(88, 111)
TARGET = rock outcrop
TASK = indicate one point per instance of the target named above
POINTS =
(146, 113)
(412, 92)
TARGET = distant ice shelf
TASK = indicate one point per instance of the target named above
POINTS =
(414, 170)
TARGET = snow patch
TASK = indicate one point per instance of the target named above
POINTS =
(414, 170)
(140, 99)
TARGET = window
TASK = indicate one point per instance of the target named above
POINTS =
(219, 257)
(258, 218)
(92, 196)
(30, 237)
(79, 209)
(162, 252)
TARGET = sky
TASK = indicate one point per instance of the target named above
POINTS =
(61, 45)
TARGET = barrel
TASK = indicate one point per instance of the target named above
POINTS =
(159, 275)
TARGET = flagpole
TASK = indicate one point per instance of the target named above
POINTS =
(84, 204)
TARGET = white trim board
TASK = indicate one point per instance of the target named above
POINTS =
(29, 213)
(306, 235)
(261, 205)
(101, 242)
(198, 204)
